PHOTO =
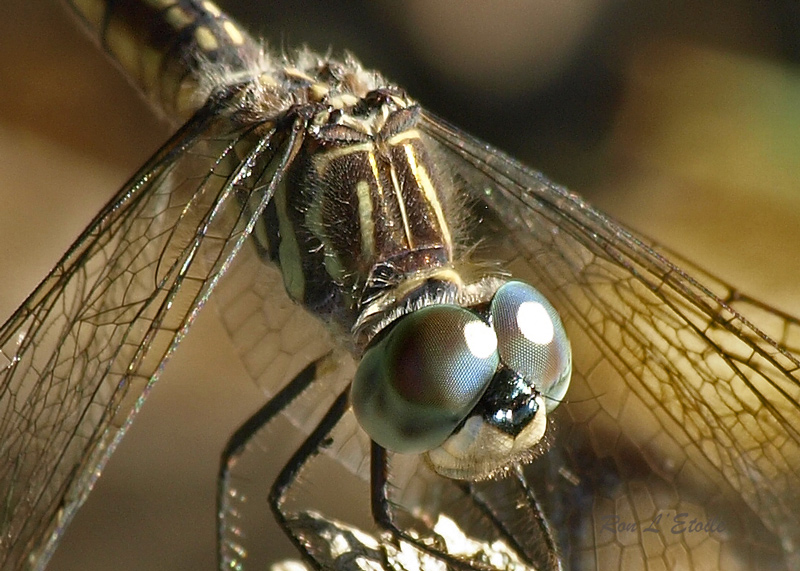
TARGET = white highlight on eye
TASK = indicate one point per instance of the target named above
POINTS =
(480, 338)
(534, 322)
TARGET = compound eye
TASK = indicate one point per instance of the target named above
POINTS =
(531, 340)
(420, 380)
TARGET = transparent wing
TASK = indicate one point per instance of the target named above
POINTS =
(679, 404)
(78, 357)
(274, 336)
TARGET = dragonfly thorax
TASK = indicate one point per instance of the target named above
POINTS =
(360, 211)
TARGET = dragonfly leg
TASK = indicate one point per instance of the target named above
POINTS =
(491, 502)
(382, 509)
(312, 445)
(237, 444)
(325, 543)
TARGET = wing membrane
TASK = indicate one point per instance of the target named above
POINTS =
(274, 336)
(78, 357)
(675, 391)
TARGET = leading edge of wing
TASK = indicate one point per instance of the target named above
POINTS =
(78, 357)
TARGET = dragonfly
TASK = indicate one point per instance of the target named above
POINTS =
(568, 475)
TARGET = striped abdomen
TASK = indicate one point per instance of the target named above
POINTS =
(163, 44)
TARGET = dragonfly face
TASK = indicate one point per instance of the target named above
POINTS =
(577, 496)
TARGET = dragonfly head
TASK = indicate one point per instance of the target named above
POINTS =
(468, 386)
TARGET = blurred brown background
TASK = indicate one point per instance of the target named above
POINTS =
(682, 119)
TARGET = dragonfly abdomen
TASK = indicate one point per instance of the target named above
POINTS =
(165, 46)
